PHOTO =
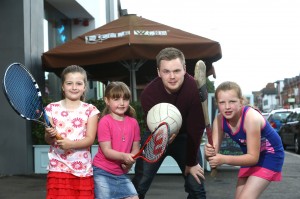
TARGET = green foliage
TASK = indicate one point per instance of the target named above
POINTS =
(139, 115)
(210, 86)
(38, 130)
(100, 104)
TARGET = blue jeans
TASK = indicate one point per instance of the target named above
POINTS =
(145, 172)
(110, 186)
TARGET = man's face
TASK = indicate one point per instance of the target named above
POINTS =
(172, 74)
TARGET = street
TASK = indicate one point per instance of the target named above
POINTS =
(171, 186)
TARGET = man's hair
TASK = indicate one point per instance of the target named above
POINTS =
(169, 53)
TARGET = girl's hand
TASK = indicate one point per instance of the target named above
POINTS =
(209, 151)
(216, 160)
(127, 159)
(65, 144)
(126, 167)
(51, 132)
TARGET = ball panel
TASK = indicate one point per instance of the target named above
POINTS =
(156, 115)
(164, 112)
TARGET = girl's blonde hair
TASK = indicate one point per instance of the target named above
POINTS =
(74, 69)
(228, 85)
(115, 90)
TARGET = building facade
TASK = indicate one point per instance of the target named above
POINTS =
(291, 92)
(29, 28)
(279, 94)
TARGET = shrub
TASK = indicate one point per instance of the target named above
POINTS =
(38, 130)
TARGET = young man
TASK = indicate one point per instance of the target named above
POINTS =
(173, 85)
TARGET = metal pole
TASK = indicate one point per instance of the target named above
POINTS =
(133, 66)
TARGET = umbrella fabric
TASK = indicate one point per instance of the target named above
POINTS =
(129, 39)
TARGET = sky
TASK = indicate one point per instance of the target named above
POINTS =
(259, 38)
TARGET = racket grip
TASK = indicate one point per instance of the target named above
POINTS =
(58, 137)
(213, 172)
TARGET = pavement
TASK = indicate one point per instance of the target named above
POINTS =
(171, 185)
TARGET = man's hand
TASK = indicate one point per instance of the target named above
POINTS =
(172, 137)
(196, 171)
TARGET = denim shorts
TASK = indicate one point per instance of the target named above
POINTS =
(110, 186)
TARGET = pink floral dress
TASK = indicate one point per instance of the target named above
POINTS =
(72, 125)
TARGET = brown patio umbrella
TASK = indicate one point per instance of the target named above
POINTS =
(125, 50)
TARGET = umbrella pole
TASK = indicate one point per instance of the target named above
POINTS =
(133, 66)
(133, 84)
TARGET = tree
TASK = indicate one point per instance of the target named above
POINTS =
(210, 86)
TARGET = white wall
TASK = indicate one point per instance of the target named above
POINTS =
(269, 103)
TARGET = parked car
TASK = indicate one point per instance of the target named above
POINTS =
(265, 115)
(290, 131)
(276, 117)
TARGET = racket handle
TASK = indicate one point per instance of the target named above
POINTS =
(58, 137)
(213, 172)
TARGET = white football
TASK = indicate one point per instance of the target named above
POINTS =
(164, 112)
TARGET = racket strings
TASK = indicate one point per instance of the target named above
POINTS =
(24, 96)
(158, 144)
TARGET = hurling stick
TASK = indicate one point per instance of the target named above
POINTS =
(200, 74)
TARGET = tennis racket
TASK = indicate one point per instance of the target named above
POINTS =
(23, 94)
(200, 67)
(156, 144)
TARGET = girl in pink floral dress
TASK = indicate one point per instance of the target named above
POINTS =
(70, 164)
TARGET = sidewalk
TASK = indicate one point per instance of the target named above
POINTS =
(171, 186)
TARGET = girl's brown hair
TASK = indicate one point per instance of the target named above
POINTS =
(74, 69)
(117, 90)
